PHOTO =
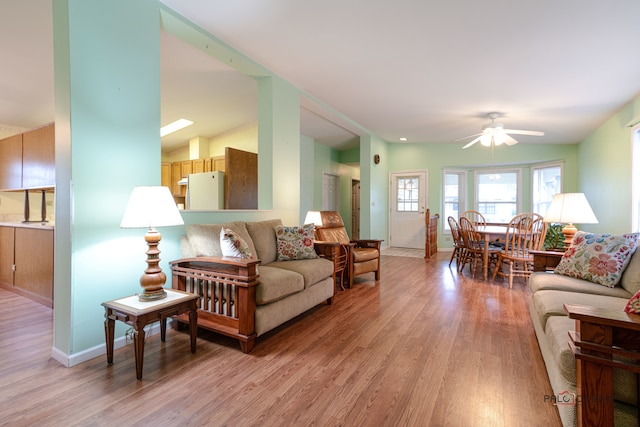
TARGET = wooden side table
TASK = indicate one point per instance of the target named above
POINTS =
(546, 260)
(600, 335)
(138, 314)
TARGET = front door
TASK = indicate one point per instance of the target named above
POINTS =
(408, 195)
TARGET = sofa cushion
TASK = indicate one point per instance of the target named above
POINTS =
(277, 283)
(549, 303)
(205, 238)
(295, 242)
(313, 270)
(557, 336)
(631, 276)
(599, 258)
(365, 254)
(264, 239)
(551, 281)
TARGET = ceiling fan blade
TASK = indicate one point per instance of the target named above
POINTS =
(465, 137)
(524, 132)
(508, 140)
(472, 142)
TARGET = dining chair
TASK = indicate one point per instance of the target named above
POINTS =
(458, 244)
(525, 233)
(474, 246)
(476, 217)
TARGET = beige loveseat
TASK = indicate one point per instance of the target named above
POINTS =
(244, 298)
(550, 291)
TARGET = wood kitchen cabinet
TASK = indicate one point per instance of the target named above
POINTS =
(165, 173)
(197, 166)
(38, 157)
(6, 256)
(27, 160)
(26, 262)
(186, 168)
(11, 162)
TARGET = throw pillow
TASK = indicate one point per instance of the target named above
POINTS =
(295, 242)
(231, 244)
(633, 305)
(598, 258)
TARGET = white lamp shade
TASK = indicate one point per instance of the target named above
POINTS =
(570, 208)
(313, 217)
(151, 207)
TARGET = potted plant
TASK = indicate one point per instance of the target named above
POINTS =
(554, 239)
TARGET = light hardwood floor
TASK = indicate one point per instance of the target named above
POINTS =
(426, 346)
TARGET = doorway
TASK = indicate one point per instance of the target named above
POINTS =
(355, 209)
(330, 193)
(408, 203)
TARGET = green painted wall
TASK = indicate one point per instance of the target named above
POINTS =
(605, 171)
(437, 157)
(107, 121)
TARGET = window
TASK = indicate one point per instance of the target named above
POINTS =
(408, 193)
(497, 194)
(454, 196)
(546, 182)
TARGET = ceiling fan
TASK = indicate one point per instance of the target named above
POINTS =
(495, 134)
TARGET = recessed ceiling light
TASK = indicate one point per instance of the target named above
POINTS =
(403, 139)
(174, 127)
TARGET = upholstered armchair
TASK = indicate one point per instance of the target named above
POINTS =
(363, 255)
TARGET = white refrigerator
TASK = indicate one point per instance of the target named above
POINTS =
(205, 191)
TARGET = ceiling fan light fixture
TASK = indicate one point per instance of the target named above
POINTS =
(499, 138)
(486, 140)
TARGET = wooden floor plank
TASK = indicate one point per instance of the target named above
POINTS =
(424, 346)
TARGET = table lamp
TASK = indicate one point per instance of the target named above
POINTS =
(569, 208)
(151, 207)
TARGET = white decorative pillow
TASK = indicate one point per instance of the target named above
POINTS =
(598, 258)
(231, 244)
(295, 242)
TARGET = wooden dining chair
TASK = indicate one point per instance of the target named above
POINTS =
(476, 217)
(474, 246)
(525, 233)
(458, 244)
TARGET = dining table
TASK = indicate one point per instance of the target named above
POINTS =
(489, 233)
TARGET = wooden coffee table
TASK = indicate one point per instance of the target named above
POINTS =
(138, 314)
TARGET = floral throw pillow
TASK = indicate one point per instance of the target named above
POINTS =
(598, 258)
(295, 242)
(231, 244)
(633, 305)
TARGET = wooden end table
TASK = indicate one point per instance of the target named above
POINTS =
(546, 260)
(138, 314)
(600, 335)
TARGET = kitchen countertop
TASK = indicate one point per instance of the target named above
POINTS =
(38, 225)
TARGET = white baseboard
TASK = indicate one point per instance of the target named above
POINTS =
(100, 350)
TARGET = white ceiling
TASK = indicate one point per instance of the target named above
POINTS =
(426, 70)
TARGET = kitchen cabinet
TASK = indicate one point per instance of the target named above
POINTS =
(186, 168)
(11, 162)
(6, 255)
(165, 173)
(218, 163)
(197, 166)
(26, 262)
(38, 158)
(27, 160)
(176, 175)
